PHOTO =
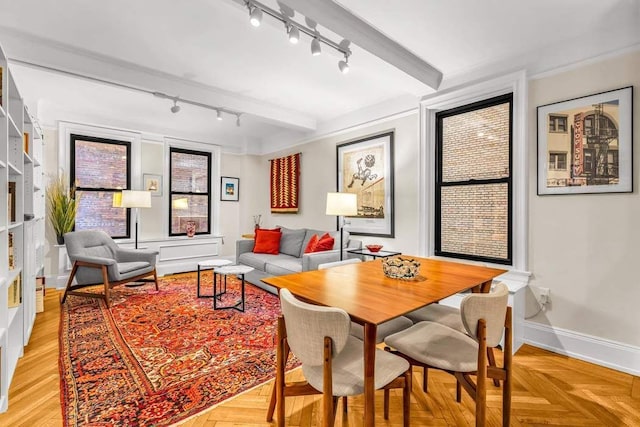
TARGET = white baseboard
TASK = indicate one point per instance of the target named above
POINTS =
(611, 354)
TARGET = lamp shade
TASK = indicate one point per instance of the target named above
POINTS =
(136, 199)
(345, 204)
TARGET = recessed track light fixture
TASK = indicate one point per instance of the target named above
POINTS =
(293, 28)
(219, 110)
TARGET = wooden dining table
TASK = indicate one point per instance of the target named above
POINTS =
(371, 298)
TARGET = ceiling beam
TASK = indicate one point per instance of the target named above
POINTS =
(347, 25)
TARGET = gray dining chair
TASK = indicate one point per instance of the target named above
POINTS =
(97, 259)
(486, 319)
(384, 329)
(332, 360)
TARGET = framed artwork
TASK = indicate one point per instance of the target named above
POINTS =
(365, 167)
(153, 183)
(229, 189)
(585, 144)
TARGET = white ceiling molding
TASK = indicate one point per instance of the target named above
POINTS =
(39, 52)
(342, 22)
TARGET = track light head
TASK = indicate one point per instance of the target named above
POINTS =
(294, 34)
(255, 15)
(315, 47)
(238, 120)
(344, 65)
(218, 114)
(175, 107)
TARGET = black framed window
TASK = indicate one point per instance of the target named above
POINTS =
(190, 191)
(99, 168)
(473, 185)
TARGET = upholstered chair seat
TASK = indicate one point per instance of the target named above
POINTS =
(444, 314)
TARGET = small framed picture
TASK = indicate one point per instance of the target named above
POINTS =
(229, 189)
(153, 183)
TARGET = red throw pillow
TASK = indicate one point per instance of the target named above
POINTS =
(267, 241)
(311, 246)
(325, 243)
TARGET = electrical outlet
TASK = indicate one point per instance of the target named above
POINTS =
(543, 296)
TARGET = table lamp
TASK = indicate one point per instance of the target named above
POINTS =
(342, 204)
(136, 199)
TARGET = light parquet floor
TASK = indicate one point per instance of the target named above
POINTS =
(548, 389)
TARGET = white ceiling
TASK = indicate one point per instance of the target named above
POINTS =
(206, 51)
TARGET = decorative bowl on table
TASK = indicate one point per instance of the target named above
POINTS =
(374, 248)
(400, 268)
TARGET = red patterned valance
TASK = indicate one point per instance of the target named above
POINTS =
(285, 180)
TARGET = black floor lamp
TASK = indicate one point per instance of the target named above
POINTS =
(342, 205)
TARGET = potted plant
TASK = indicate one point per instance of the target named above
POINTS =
(62, 205)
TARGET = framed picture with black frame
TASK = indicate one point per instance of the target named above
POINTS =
(365, 167)
(229, 189)
(585, 144)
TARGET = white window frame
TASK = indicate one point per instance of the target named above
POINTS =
(515, 83)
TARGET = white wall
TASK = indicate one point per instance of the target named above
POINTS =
(318, 177)
(584, 247)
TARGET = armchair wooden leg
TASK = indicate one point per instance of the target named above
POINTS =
(155, 278)
(107, 286)
(69, 282)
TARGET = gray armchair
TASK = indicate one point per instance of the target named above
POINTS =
(97, 259)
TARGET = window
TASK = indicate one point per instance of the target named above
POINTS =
(99, 168)
(557, 123)
(473, 185)
(190, 191)
(557, 161)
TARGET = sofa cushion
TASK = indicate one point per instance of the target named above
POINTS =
(267, 242)
(283, 264)
(325, 243)
(291, 241)
(309, 234)
(311, 246)
(257, 261)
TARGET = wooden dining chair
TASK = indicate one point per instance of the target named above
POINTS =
(332, 360)
(486, 318)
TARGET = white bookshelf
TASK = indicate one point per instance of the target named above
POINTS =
(20, 170)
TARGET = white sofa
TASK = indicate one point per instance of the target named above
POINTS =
(291, 257)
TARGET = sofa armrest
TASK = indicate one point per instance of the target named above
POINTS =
(242, 246)
(312, 260)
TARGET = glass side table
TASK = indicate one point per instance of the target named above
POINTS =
(374, 255)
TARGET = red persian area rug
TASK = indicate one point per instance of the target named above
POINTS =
(158, 357)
